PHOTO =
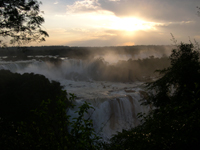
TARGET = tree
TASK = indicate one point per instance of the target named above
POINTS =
(183, 72)
(21, 20)
(33, 115)
(30, 112)
(174, 121)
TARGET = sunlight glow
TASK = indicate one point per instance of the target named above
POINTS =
(131, 24)
(106, 19)
(97, 25)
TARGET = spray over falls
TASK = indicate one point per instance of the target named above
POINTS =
(114, 88)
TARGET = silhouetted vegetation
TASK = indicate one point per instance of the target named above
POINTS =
(174, 122)
(83, 52)
(21, 21)
(33, 115)
(127, 71)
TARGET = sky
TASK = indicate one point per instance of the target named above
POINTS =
(120, 22)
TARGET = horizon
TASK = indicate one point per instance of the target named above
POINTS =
(24, 46)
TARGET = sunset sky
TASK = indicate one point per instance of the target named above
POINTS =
(119, 22)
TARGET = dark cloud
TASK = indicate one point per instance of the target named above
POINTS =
(152, 10)
(182, 31)
(157, 10)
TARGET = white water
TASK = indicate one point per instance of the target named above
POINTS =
(116, 104)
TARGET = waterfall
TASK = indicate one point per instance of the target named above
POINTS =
(116, 103)
(113, 112)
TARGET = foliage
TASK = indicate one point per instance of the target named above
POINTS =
(33, 115)
(174, 122)
(83, 134)
(21, 20)
(183, 72)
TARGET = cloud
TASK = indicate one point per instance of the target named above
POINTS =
(197, 37)
(51, 7)
(157, 10)
(83, 6)
(128, 44)
(114, 0)
(120, 38)
(105, 22)
(177, 24)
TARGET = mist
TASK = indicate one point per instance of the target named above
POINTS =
(110, 78)
(116, 64)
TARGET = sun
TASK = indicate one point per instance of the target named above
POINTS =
(130, 24)
(108, 20)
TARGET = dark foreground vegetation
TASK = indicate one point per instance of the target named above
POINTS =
(33, 115)
(174, 121)
(33, 112)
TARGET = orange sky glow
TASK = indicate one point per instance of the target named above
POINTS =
(119, 22)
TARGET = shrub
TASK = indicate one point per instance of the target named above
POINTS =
(33, 115)
(174, 122)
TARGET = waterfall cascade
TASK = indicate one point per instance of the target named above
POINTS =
(116, 103)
